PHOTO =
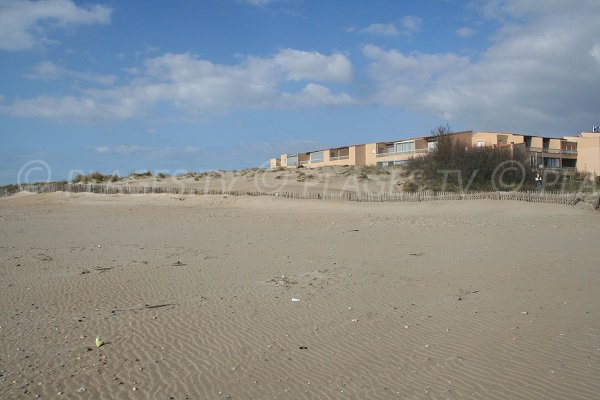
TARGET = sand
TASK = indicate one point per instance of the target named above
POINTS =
(439, 300)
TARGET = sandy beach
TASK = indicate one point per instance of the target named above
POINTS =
(194, 298)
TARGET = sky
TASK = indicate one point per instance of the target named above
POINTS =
(173, 86)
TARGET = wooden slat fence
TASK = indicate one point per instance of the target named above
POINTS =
(532, 197)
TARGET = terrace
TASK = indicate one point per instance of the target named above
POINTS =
(391, 149)
(341, 153)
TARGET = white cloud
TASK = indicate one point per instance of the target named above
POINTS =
(135, 150)
(102, 149)
(47, 70)
(538, 74)
(302, 65)
(23, 22)
(257, 3)
(74, 107)
(465, 32)
(201, 88)
(406, 26)
(507, 9)
(122, 150)
(315, 94)
(382, 30)
(411, 23)
(595, 52)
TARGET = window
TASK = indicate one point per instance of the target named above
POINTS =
(405, 147)
(316, 156)
(480, 143)
(551, 162)
(385, 149)
(535, 161)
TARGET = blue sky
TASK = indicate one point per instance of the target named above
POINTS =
(195, 85)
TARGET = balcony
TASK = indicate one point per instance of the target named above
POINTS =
(565, 170)
(339, 158)
(534, 149)
(398, 153)
(551, 151)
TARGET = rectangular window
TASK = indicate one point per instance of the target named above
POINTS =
(385, 149)
(551, 162)
(405, 147)
(316, 156)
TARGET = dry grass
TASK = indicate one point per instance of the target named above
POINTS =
(95, 177)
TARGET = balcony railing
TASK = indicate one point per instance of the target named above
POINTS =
(553, 151)
(339, 158)
(549, 150)
(562, 169)
(398, 153)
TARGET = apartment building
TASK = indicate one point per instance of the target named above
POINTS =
(567, 154)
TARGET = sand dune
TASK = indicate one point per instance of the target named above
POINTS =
(326, 179)
(443, 300)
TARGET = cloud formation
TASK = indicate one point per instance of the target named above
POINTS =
(47, 71)
(411, 23)
(237, 155)
(257, 3)
(23, 23)
(199, 87)
(302, 65)
(134, 149)
(406, 26)
(465, 32)
(382, 30)
(541, 72)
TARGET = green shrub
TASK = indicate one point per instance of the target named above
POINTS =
(95, 177)
(144, 174)
(452, 165)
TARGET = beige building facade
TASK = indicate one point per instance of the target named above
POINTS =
(567, 154)
(587, 152)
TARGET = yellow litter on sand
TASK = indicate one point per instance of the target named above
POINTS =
(99, 342)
